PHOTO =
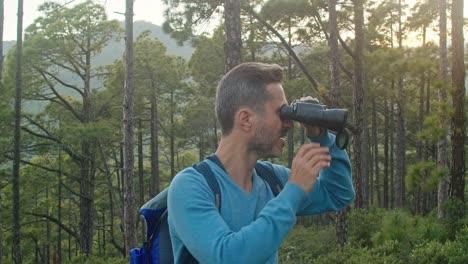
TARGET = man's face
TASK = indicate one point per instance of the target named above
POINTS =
(269, 137)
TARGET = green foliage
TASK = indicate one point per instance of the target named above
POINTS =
(183, 16)
(396, 237)
(305, 244)
(351, 255)
(98, 260)
(425, 175)
(433, 251)
(455, 217)
(363, 224)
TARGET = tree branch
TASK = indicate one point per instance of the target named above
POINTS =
(285, 43)
(64, 83)
(346, 47)
(60, 224)
(65, 103)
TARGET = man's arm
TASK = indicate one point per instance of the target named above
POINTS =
(206, 235)
(333, 189)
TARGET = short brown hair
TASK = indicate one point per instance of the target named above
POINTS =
(244, 85)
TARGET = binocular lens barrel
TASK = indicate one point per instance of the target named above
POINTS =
(315, 114)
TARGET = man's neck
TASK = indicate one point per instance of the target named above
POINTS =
(237, 160)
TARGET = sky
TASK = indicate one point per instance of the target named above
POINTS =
(148, 10)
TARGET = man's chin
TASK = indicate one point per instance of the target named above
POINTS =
(274, 154)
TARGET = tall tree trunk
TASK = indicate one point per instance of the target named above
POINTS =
(129, 191)
(87, 165)
(401, 137)
(376, 154)
(154, 145)
(172, 135)
(48, 230)
(420, 151)
(1, 77)
(1, 228)
(1, 92)
(232, 34)
(16, 241)
(59, 206)
(457, 184)
(400, 151)
(290, 76)
(341, 227)
(334, 54)
(358, 105)
(141, 183)
(392, 151)
(386, 155)
(442, 151)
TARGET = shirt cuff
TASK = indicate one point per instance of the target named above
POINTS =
(294, 195)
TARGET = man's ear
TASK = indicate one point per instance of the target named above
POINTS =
(244, 118)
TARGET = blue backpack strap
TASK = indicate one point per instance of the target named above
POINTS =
(266, 172)
(204, 169)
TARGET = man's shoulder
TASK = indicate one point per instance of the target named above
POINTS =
(187, 179)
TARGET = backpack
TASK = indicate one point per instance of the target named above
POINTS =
(158, 248)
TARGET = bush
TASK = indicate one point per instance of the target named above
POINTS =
(305, 244)
(353, 255)
(432, 252)
(362, 225)
(430, 228)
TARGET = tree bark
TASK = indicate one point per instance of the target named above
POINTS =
(1, 92)
(401, 134)
(358, 104)
(457, 183)
(232, 34)
(2, 13)
(129, 191)
(141, 183)
(392, 151)
(59, 206)
(386, 156)
(377, 186)
(442, 150)
(341, 227)
(16, 240)
(172, 135)
(154, 145)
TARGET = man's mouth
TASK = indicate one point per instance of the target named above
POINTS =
(283, 135)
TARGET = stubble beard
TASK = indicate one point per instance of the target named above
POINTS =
(263, 144)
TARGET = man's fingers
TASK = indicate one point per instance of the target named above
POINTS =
(306, 148)
(320, 161)
(312, 151)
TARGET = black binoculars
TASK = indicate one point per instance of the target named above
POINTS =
(315, 114)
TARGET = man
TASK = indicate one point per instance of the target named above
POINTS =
(252, 222)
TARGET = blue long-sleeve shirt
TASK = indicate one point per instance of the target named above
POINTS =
(250, 226)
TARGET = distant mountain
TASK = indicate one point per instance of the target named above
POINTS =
(7, 45)
(115, 50)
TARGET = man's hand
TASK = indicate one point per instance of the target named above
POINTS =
(307, 163)
(311, 131)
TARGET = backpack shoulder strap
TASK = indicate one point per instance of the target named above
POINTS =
(204, 169)
(266, 172)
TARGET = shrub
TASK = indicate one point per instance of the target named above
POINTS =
(305, 244)
(362, 225)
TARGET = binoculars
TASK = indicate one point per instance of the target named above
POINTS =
(315, 114)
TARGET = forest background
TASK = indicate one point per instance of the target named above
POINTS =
(399, 69)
